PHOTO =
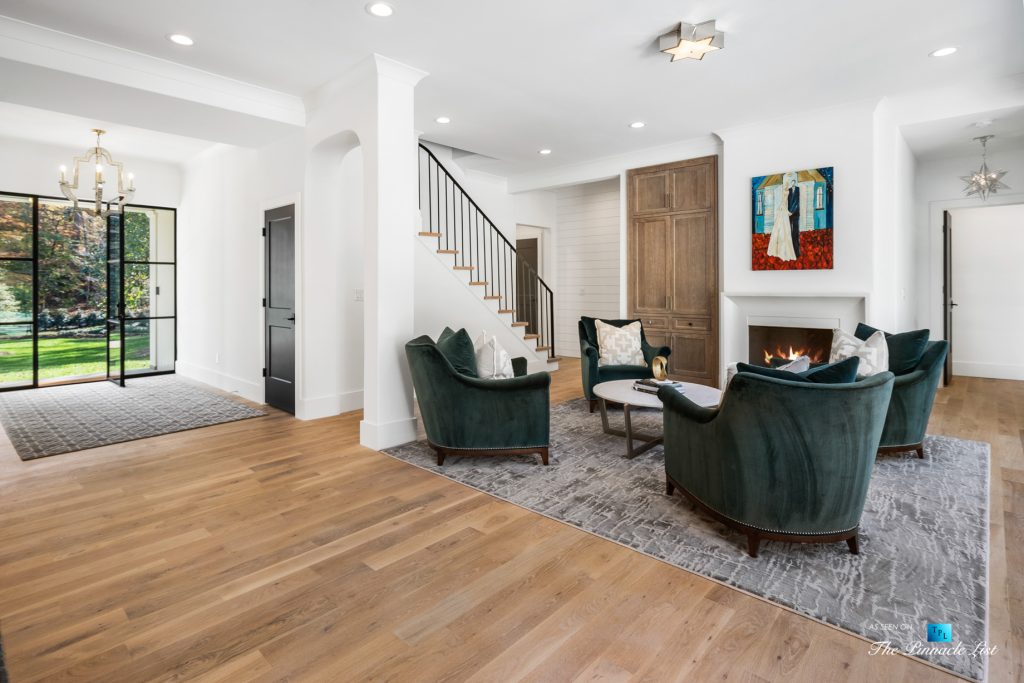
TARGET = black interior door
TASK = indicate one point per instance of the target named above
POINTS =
(279, 307)
(527, 285)
(947, 292)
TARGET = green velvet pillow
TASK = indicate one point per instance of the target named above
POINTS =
(842, 372)
(457, 347)
(905, 348)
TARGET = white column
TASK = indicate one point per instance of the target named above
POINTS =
(391, 188)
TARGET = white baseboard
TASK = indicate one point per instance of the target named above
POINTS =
(991, 370)
(387, 434)
(326, 406)
(252, 391)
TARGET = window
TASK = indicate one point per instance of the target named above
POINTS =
(819, 197)
(759, 202)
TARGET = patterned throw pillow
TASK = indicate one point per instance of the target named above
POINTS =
(873, 352)
(619, 345)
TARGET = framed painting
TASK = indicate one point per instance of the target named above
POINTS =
(791, 220)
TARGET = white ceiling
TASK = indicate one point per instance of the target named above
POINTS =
(954, 137)
(570, 75)
(40, 125)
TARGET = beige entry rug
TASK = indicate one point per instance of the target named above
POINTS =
(53, 420)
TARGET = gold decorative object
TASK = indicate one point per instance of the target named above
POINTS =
(659, 366)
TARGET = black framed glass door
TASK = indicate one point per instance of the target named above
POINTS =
(84, 298)
(17, 292)
(115, 299)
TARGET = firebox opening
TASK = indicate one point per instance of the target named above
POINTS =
(768, 343)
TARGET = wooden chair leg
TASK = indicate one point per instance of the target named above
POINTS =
(593, 404)
(753, 543)
(854, 545)
(920, 451)
(544, 455)
(440, 458)
(670, 488)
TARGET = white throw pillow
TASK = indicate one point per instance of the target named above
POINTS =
(873, 352)
(492, 361)
(619, 345)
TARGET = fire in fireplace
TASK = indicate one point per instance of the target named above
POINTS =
(767, 343)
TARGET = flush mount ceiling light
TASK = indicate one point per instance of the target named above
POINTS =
(181, 39)
(443, 119)
(380, 9)
(637, 124)
(692, 41)
(942, 52)
(545, 151)
(984, 181)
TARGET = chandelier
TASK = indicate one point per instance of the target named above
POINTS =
(98, 157)
(984, 181)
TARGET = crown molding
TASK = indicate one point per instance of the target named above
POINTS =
(44, 47)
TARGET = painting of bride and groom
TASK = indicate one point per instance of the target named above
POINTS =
(792, 220)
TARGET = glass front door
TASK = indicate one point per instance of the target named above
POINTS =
(84, 298)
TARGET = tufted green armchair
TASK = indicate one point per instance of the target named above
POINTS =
(779, 459)
(594, 374)
(465, 415)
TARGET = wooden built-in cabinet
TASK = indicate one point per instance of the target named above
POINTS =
(673, 263)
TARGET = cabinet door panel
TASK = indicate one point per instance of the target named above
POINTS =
(652, 192)
(694, 273)
(693, 358)
(692, 188)
(651, 261)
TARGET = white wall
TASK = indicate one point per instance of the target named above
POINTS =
(938, 187)
(988, 286)
(588, 258)
(32, 168)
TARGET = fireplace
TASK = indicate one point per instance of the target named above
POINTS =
(768, 343)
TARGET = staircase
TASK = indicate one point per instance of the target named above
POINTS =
(461, 234)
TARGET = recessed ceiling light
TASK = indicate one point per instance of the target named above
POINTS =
(380, 9)
(637, 124)
(943, 52)
(181, 39)
(545, 152)
(984, 123)
(443, 119)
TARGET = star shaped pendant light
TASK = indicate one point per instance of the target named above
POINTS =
(692, 41)
(984, 181)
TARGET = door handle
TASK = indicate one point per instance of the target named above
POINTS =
(291, 319)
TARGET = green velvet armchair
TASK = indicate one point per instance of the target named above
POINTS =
(594, 374)
(465, 415)
(913, 394)
(778, 459)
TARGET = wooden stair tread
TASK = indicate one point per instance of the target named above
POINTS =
(478, 282)
(553, 360)
(447, 251)
(493, 297)
(531, 336)
(463, 268)
(501, 310)
(519, 324)
(543, 348)
(430, 234)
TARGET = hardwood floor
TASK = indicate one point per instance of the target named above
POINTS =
(276, 549)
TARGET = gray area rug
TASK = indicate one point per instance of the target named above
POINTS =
(53, 420)
(923, 542)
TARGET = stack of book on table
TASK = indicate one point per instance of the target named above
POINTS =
(651, 386)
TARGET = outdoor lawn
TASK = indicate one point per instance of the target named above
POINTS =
(61, 357)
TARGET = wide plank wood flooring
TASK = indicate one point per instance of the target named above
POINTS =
(275, 549)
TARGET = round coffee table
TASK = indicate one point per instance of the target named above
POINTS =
(622, 391)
